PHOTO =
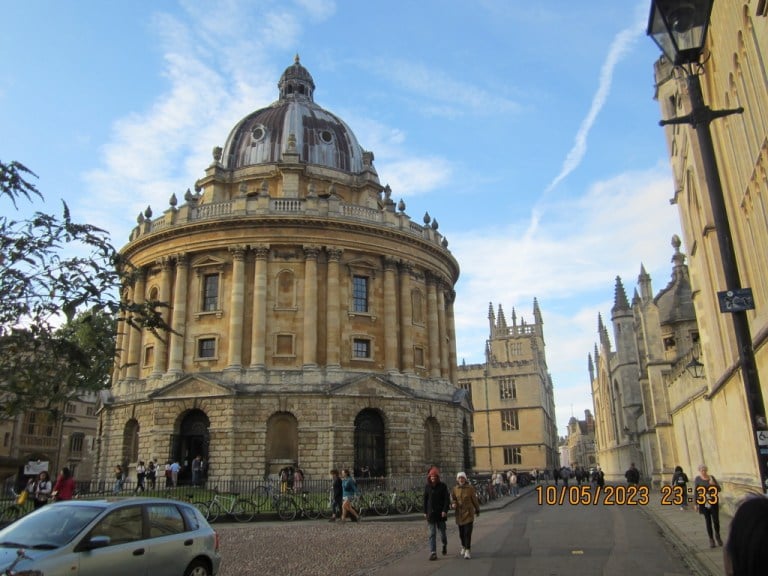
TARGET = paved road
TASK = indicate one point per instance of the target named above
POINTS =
(530, 539)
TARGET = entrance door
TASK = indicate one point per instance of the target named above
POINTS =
(370, 445)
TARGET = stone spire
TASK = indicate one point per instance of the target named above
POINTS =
(620, 301)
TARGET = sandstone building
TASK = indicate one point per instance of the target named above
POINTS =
(512, 396)
(640, 384)
(681, 419)
(734, 73)
(313, 318)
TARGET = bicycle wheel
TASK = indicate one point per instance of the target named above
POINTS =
(380, 504)
(286, 509)
(214, 511)
(260, 499)
(402, 503)
(204, 509)
(10, 513)
(243, 510)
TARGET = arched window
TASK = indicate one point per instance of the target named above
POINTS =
(432, 442)
(282, 442)
(131, 441)
(370, 442)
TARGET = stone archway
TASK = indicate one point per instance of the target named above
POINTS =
(370, 443)
(192, 440)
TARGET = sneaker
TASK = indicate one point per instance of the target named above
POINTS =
(467, 555)
(445, 549)
(433, 556)
(462, 551)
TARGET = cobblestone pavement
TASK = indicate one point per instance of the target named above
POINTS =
(309, 548)
(305, 548)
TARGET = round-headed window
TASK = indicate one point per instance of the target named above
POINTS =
(258, 133)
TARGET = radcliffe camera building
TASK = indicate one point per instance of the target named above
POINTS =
(313, 319)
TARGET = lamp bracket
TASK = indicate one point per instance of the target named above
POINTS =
(703, 116)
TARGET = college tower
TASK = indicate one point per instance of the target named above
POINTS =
(313, 319)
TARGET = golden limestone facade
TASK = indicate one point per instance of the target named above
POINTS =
(671, 416)
(513, 398)
(714, 427)
(313, 319)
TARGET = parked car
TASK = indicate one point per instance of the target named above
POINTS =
(114, 537)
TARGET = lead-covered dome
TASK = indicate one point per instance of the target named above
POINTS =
(321, 137)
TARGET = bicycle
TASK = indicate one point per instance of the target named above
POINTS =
(242, 509)
(305, 504)
(14, 510)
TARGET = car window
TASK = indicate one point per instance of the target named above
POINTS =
(192, 516)
(121, 526)
(164, 519)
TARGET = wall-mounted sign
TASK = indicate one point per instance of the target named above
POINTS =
(736, 300)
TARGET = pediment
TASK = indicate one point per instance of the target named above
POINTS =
(369, 385)
(192, 387)
(208, 261)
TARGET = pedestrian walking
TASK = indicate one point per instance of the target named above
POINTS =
(337, 495)
(64, 488)
(707, 490)
(746, 551)
(349, 490)
(467, 506)
(680, 484)
(152, 474)
(141, 473)
(119, 479)
(41, 490)
(436, 505)
(632, 475)
(197, 470)
(513, 485)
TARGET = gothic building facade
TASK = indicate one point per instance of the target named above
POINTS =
(512, 396)
(313, 319)
(641, 388)
(733, 73)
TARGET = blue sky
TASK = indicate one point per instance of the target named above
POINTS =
(527, 129)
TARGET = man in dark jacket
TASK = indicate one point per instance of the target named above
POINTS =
(437, 501)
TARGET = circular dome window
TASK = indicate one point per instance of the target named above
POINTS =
(326, 136)
(258, 133)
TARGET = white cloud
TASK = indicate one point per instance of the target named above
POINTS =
(431, 85)
(567, 257)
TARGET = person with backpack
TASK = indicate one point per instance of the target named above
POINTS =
(680, 484)
(42, 490)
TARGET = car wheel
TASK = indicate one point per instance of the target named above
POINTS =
(197, 568)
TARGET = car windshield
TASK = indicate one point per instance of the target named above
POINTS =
(48, 527)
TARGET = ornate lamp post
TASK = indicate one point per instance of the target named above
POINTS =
(679, 27)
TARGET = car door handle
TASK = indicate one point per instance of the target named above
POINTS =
(189, 542)
(138, 552)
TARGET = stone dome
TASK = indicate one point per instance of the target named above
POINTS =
(294, 120)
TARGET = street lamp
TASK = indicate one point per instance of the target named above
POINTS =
(679, 27)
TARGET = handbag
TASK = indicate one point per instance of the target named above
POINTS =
(21, 499)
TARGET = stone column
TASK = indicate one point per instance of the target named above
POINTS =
(134, 339)
(443, 332)
(333, 310)
(121, 344)
(450, 299)
(259, 328)
(310, 306)
(390, 315)
(406, 324)
(175, 360)
(433, 326)
(236, 306)
(161, 340)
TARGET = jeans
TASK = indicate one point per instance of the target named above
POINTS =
(433, 526)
